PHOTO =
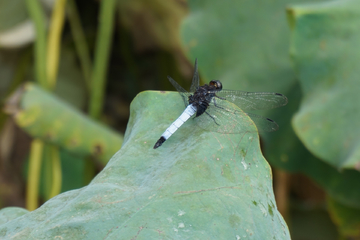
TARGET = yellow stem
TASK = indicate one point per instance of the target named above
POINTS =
(53, 58)
(54, 39)
(34, 174)
(56, 171)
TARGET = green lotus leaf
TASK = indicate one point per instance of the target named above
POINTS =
(324, 41)
(10, 213)
(197, 185)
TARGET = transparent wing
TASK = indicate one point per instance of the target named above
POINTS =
(184, 94)
(263, 124)
(225, 117)
(195, 80)
(253, 100)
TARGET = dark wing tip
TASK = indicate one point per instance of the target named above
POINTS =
(284, 98)
(269, 119)
(274, 125)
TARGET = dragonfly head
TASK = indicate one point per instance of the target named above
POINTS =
(216, 83)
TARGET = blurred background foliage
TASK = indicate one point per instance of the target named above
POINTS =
(86, 61)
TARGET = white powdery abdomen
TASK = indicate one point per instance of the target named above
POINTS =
(188, 112)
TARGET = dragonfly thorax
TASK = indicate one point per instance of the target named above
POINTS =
(203, 95)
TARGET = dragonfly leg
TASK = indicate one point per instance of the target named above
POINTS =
(212, 118)
(227, 110)
(219, 97)
(218, 105)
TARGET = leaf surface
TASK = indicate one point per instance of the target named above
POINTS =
(197, 185)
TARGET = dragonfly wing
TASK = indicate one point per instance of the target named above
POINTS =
(253, 100)
(195, 80)
(263, 124)
(184, 94)
(224, 117)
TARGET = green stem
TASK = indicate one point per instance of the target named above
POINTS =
(56, 171)
(102, 52)
(89, 170)
(37, 15)
(46, 171)
(80, 42)
(53, 58)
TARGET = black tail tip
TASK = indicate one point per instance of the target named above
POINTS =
(159, 142)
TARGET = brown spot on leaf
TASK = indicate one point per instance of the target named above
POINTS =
(98, 149)
(323, 45)
(357, 166)
(49, 136)
(74, 142)
(12, 104)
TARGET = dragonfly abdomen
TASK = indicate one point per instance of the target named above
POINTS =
(202, 108)
(188, 112)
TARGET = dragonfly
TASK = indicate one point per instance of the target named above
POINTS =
(221, 110)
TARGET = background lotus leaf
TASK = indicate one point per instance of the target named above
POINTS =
(247, 48)
(347, 218)
(240, 44)
(324, 40)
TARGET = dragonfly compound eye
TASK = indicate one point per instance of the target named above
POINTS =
(216, 83)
